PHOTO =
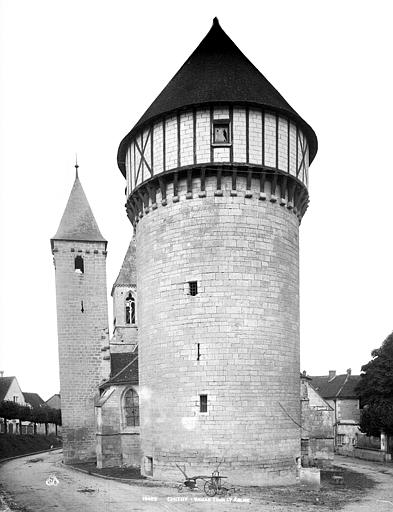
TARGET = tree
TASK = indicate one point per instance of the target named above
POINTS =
(24, 414)
(41, 415)
(375, 390)
(55, 417)
(8, 411)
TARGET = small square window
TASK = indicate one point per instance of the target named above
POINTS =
(193, 287)
(221, 132)
(202, 403)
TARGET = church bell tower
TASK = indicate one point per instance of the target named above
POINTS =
(217, 184)
(79, 252)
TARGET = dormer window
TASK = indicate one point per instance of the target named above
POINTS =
(79, 265)
(221, 132)
(130, 309)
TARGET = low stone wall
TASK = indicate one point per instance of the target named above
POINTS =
(369, 454)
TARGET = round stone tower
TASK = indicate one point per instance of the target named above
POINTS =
(217, 176)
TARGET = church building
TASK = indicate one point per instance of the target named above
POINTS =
(202, 369)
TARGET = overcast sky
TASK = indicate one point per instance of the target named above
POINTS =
(77, 75)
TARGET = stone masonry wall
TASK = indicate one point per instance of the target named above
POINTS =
(243, 253)
(82, 317)
(117, 443)
(125, 336)
(348, 409)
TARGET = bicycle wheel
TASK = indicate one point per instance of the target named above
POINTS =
(210, 488)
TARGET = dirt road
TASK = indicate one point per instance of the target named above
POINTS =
(379, 499)
(25, 479)
(24, 483)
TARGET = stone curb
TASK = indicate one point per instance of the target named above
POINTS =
(131, 481)
(28, 454)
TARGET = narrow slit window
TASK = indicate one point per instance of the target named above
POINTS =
(193, 288)
(202, 403)
(79, 265)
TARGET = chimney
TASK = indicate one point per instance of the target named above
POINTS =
(1, 373)
(332, 374)
(349, 371)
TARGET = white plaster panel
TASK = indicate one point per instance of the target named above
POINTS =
(292, 149)
(147, 154)
(301, 162)
(203, 136)
(307, 164)
(255, 137)
(158, 152)
(270, 140)
(221, 113)
(186, 139)
(221, 155)
(138, 167)
(128, 172)
(239, 135)
(282, 144)
(171, 142)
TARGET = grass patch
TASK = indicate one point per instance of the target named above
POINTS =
(15, 444)
(330, 496)
(127, 473)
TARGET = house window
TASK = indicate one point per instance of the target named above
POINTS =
(202, 403)
(130, 309)
(221, 132)
(340, 438)
(131, 408)
(79, 265)
(193, 288)
(15, 398)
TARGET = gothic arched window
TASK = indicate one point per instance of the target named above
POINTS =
(131, 408)
(130, 309)
(79, 265)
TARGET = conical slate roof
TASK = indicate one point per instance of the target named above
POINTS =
(127, 274)
(217, 72)
(78, 222)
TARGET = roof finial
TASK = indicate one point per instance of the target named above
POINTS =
(215, 21)
(76, 166)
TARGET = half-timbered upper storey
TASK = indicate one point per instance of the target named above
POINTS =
(218, 110)
(217, 135)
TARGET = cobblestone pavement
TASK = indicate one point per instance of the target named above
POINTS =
(23, 481)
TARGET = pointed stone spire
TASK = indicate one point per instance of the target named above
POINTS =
(127, 274)
(78, 222)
